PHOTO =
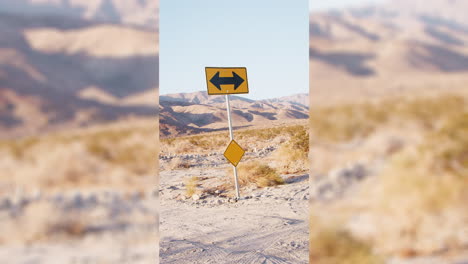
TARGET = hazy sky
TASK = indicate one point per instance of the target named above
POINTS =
(269, 37)
(320, 5)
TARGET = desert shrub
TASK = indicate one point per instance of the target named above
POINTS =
(267, 134)
(196, 143)
(120, 148)
(347, 122)
(42, 221)
(421, 188)
(19, 147)
(435, 173)
(80, 158)
(68, 227)
(448, 146)
(258, 174)
(422, 210)
(292, 156)
(331, 245)
(249, 138)
(191, 185)
(427, 111)
(407, 181)
(178, 163)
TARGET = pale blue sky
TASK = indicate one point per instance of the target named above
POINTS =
(324, 5)
(269, 37)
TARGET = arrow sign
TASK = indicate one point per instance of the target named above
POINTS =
(235, 80)
(223, 80)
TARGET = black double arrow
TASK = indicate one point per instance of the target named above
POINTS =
(235, 80)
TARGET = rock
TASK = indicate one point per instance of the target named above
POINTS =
(196, 197)
(5, 203)
(92, 199)
(325, 191)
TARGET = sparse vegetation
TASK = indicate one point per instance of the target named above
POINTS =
(191, 185)
(347, 122)
(270, 133)
(257, 173)
(249, 139)
(419, 195)
(435, 173)
(448, 146)
(78, 159)
(43, 221)
(198, 143)
(178, 163)
(331, 245)
(292, 156)
(433, 176)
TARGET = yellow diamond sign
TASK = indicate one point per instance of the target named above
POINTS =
(234, 153)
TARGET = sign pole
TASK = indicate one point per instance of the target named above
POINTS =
(228, 106)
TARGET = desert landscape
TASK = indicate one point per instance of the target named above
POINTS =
(201, 221)
(369, 167)
(78, 131)
(389, 134)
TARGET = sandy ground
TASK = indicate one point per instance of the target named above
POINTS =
(117, 228)
(267, 225)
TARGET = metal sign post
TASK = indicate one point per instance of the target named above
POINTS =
(229, 80)
(231, 134)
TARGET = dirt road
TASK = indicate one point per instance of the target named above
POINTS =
(268, 225)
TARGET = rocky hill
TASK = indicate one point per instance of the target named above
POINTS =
(142, 13)
(188, 113)
(58, 72)
(393, 49)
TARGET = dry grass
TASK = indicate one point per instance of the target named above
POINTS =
(434, 175)
(248, 139)
(448, 146)
(423, 190)
(419, 195)
(257, 173)
(178, 163)
(42, 221)
(195, 144)
(268, 134)
(292, 156)
(330, 244)
(191, 185)
(111, 157)
(347, 122)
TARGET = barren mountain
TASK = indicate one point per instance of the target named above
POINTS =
(188, 113)
(57, 72)
(130, 12)
(387, 50)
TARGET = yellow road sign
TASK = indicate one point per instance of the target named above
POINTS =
(222, 80)
(234, 153)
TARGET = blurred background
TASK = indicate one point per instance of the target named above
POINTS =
(389, 131)
(78, 131)
(388, 91)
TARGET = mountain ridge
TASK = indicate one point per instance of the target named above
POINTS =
(196, 112)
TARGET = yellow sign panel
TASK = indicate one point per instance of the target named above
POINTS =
(221, 80)
(234, 153)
